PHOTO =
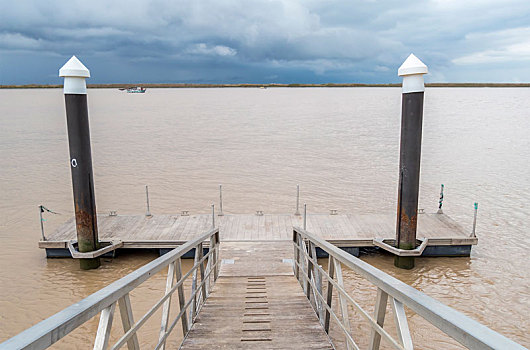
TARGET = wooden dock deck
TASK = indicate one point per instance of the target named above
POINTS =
(256, 303)
(446, 237)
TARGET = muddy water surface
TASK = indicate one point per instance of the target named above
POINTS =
(340, 145)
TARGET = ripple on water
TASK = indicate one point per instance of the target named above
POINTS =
(340, 145)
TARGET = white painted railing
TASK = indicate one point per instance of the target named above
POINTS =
(104, 301)
(456, 325)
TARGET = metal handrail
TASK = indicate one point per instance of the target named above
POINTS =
(458, 326)
(104, 301)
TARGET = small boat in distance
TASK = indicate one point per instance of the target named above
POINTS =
(136, 90)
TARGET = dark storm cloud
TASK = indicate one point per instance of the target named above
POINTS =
(264, 40)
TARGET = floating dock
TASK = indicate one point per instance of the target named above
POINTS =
(347, 231)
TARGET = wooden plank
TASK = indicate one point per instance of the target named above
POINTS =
(268, 227)
(177, 233)
(345, 227)
(314, 224)
(195, 225)
(225, 226)
(351, 220)
(260, 227)
(231, 229)
(281, 227)
(244, 227)
(384, 224)
(164, 222)
(235, 230)
(191, 222)
(257, 305)
(357, 221)
(328, 226)
(64, 232)
(165, 232)
(136, 229)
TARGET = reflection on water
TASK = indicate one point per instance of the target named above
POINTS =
(340, 145)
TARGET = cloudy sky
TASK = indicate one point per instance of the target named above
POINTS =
(285, 41)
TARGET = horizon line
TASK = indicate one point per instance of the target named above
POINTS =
(255, 85)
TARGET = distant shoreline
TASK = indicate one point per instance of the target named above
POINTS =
(165, 86)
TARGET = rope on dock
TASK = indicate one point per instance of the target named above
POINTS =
(43, 208)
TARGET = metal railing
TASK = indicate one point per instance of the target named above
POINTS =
(463, 329)
(104, 301)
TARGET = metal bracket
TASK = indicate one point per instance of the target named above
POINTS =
(94, 254)
(380, 242)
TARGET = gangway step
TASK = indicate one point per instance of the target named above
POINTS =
(257, 303)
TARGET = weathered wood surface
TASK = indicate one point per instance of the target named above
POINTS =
(345, 230)
(256, 303)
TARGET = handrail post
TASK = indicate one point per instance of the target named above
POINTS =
(379, 315)
(216, 268)
(212, 259)
(296, 255)
(181, 296)
(207, 272)
(302, 262)
(343, 304)
(329, 296)
(201, 271)
(309, 271)
(402, 326)
(167, 304)
(318, 281)
(193, 310)
(127, 320)
(104, 328)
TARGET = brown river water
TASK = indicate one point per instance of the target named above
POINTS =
(339, 144)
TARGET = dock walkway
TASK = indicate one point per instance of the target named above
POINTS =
(256, 303)
(446, 237)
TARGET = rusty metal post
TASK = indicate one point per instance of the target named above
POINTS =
(75, 73)
(473, 233)
(412, 71)
(41, 222)
(147, 212)
(213, 215)
(221, 200)
(441, 201)
(297, 200)
(305, 216)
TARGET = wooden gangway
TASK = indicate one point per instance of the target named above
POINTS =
(256, 303)
(445, 236)
(260, 294)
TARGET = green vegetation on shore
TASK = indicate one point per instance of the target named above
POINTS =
(117, 86)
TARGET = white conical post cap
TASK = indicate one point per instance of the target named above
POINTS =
(74, 73)
(412, 71)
